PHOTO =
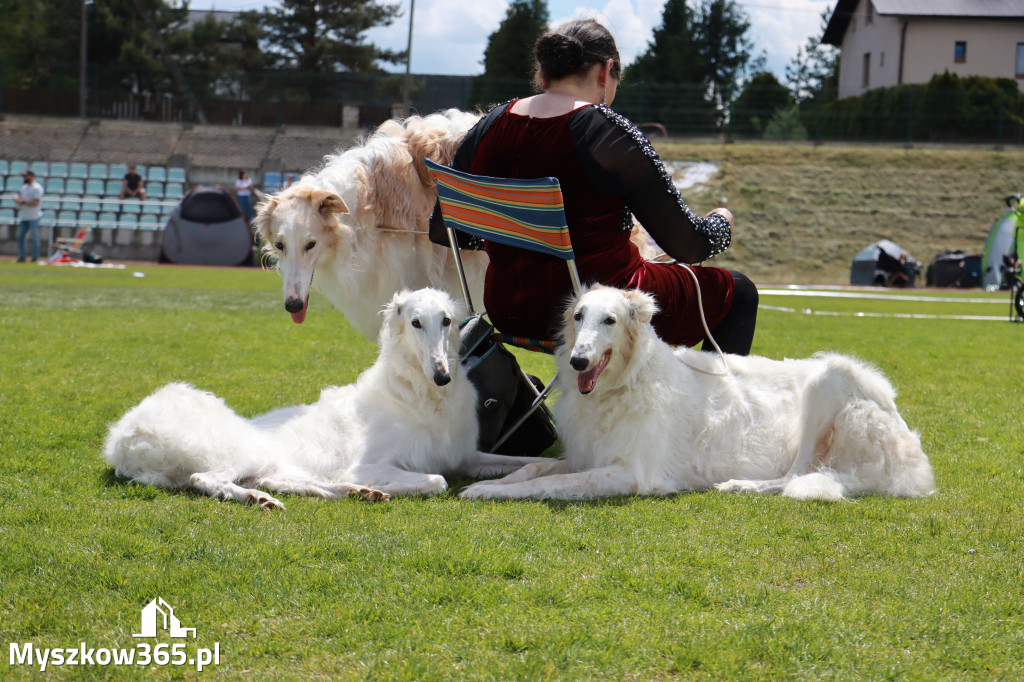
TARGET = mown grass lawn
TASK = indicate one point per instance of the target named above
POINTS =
(696, 586)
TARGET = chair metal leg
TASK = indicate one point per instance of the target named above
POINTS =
(537, 401)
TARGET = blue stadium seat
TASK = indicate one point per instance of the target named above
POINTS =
(87, 219)
(91, 203)
(67, 219)
(7, 217)
(58, 169)
(17, 167)
(51, 203)
(271, 181)
(149, 221)
(74, 186)
(156, 174)
(133, 206)
(174, 191)
(118, 171)
(13, 183)
(71, 204)
(7, 201)
(41, 169)
(79, 170)
(98, 171)
(107, 219)
(113, 188)
(127, 221)
(175, 174)
(95, 187)
(5, 167)
(155, 190)
(54, 186)
(151, 207)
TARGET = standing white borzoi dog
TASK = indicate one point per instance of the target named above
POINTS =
(356, 229)
(637, 417)
(407, 420)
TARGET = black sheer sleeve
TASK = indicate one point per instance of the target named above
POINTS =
(463, 161)
(620, 160)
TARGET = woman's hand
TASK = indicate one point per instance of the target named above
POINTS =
(722, 212)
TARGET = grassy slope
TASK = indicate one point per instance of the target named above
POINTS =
(803, 212)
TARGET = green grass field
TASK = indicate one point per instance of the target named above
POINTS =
(694, 586)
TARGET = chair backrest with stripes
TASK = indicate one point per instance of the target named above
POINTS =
(528, 214)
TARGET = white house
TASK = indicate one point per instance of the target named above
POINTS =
(891, 42)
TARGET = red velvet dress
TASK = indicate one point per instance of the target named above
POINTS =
(607, 171)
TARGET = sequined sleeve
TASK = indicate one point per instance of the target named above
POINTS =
(620, 160)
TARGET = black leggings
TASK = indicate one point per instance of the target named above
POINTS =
(735, 333)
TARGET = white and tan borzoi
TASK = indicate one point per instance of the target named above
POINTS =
(356, 228)
(406, 421)
(637, 417)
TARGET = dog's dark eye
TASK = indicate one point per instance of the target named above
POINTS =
(279, 246)
(609, 320)
(310, 244)
(578, 316)
(446, 322)
(417, 324)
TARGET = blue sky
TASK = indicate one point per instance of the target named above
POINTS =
(449, 36)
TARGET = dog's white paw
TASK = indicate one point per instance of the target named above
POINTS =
(482, 490)
(263, 500)
(737, 486)
(370, 494)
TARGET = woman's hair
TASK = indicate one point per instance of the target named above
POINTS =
(572, 49)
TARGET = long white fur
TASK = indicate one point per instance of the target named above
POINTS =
(356, 228)
(406, 421)
(820, 428)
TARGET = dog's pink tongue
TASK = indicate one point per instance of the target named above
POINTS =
(586, 381)
(299, 317)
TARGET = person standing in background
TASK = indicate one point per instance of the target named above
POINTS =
(243, 189)
(30, 205)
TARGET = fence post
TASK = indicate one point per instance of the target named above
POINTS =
(999, 125)
(910, 116)
(821, 115)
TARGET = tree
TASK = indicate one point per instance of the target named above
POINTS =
(672, 55)
(723, 48)
(761, 98)
(508, 59)
(815, 67)
(325, 36)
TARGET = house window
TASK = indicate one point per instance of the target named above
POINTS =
(871, 13)
(866, 80)
(881, 59)
(960, 52)
(1020, 60)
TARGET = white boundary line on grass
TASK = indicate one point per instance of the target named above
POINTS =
(916, 316)
(883, 297)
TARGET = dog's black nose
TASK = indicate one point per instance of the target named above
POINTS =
(442, 378)
(293, 304)
(577, 363)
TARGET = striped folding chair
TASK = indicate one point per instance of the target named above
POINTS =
(526, 214)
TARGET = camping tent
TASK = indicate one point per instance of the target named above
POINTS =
(955, 268)
(877, 263)
(1000, 243)
(207, 228)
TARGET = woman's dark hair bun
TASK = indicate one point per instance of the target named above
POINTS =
(572, 48)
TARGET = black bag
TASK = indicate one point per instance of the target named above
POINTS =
(504, 393)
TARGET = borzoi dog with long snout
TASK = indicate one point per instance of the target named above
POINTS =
(406, 421)
(356, 228)
(637, 417)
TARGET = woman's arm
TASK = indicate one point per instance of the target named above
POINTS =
(620, 160)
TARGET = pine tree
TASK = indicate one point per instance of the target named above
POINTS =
(815, 67)
(508, 59)
(671, 56)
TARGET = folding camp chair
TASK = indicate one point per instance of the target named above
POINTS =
(70, 248)
(527, 214)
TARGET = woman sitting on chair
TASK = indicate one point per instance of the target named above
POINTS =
(607, 170)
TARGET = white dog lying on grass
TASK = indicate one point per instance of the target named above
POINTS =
(637, 417)
(407, 420)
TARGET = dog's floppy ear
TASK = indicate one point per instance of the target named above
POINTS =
(641, 305)
(261, 223)
(329, 203)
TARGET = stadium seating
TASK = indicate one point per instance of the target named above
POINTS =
(175, 174)
(58, 169)
(98, 171)
(118, 171)
(54, 186)
(79, 170)
(74, 186)
(156, 174)
(40, 168)
(17, 167)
